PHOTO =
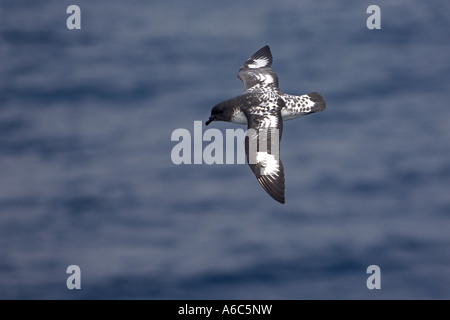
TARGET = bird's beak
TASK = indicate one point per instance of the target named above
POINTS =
(211, 119)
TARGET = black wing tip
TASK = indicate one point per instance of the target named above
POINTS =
(280, 199)
(263, 52)
(275, 188)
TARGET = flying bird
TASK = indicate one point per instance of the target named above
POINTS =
(263, 107)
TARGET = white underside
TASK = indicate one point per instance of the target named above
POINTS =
(286, 115)
(240, 117)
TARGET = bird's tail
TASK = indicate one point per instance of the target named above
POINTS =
(319, 102)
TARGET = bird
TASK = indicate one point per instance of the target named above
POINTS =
(263, 108)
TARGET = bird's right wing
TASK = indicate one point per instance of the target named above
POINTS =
(262, 146)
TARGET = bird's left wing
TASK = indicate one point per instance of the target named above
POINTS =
(257, 70)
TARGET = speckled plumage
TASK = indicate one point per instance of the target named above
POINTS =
(263, 107)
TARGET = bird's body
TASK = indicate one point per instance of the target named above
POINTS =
(263, 107)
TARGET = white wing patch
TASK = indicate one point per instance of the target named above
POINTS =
(265, 79)
(259, 63)
(270, 164)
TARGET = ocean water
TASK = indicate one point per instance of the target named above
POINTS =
(87, 179)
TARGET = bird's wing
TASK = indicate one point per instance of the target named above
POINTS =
(262, 146)
(257, 70)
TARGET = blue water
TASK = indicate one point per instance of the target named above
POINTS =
(86, 176)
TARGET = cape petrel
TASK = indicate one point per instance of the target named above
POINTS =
(263, 107)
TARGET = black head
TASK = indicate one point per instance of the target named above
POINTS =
(220, 113)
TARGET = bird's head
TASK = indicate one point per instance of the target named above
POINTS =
(220, 113)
